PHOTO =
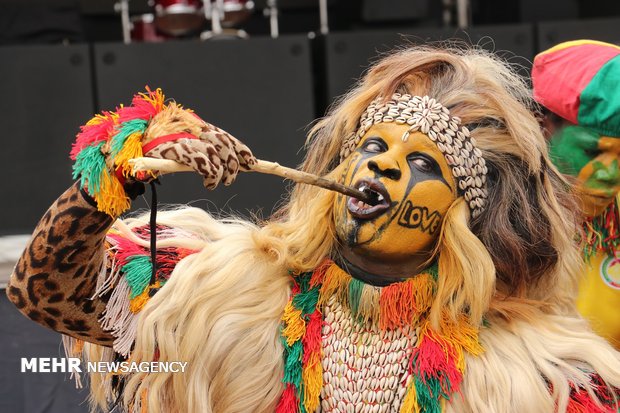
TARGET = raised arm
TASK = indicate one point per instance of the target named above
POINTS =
(55, 280)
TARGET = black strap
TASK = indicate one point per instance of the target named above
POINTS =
(153, 231)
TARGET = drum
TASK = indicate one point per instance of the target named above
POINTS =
(235, 12)
(178, 17)
(143, 29)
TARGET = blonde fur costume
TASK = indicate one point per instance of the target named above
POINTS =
(514, 268)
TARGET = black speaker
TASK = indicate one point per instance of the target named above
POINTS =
(552, 33)
(46, 95)
(349, 54)
(260, 90)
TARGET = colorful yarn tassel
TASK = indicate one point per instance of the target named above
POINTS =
(106, 143)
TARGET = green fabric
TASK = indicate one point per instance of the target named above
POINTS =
(572, 148)
(599, 107)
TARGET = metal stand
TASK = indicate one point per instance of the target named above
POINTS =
(122, 7)
(272, 12)
(323, 17)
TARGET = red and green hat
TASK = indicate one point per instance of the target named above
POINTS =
(580, 81)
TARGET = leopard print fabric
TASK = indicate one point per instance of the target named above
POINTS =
(56, 276)
(216, 155)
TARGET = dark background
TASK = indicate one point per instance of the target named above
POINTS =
(61, 61)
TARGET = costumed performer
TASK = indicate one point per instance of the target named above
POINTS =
(453, 291)
(578, 80)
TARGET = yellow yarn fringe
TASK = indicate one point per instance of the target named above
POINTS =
(312, 377)
(131, 149)
(111, 198)
(140, 301)
(336, 283)
(157, 98)
(99, 118)
(462, 336)
(410, 403)
(295, 325)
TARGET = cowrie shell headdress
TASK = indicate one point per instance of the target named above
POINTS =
(426, 115)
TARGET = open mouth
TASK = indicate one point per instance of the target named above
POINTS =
(379, 200)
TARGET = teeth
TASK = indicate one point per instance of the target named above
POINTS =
(362, 188)
(380, 197)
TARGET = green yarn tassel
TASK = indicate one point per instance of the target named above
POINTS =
(138, 274)
(427, 392)
(355, 293)
(307, 298)
(90, 165)
(292, 363)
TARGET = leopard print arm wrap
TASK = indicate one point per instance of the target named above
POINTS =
(55, 279)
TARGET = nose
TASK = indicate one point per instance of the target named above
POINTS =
(385, 166)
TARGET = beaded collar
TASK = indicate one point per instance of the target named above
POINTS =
(329, 309)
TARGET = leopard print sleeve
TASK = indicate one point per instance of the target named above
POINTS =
(55, 279)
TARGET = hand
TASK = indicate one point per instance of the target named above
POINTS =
(215, 154)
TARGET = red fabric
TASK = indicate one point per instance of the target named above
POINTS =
(167, 138)
(559, 76)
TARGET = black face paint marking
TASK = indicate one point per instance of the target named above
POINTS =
(419, 217)
(418, 176)
(358, 158)
(405, 211)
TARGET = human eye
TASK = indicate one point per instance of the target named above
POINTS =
(423, 163)
(374, 145)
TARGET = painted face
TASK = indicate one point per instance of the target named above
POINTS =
(412, 184)
(593, 159)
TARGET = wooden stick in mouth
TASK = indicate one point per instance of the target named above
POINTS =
(265, 167)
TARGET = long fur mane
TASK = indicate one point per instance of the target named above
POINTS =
(513, 269)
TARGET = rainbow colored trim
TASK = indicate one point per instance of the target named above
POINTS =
(437, 362)
(134, 263)
(105, 145)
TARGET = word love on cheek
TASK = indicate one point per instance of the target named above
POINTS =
(419, 217)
